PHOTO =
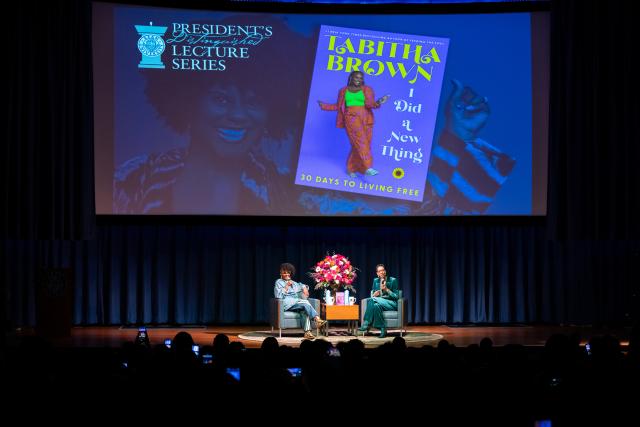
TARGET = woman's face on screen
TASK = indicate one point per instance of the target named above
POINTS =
(357, 79)
(230, 119)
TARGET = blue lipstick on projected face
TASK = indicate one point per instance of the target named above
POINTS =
(231, 119)
(232, 135)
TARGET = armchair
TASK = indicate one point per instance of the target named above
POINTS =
(281, 319)
(395, 319)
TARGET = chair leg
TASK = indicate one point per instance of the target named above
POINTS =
(280, 329)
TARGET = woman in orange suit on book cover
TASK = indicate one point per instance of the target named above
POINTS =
(355, 104)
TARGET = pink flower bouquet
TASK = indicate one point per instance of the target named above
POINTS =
(334, 272)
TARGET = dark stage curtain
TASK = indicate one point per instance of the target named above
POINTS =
(47, 171)
(594, 179)
(579, 265)
(217, 274)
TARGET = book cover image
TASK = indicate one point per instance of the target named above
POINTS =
(380, 143)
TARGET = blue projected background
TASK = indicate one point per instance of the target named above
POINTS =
(183, 140)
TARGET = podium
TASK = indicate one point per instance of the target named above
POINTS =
(54, 302)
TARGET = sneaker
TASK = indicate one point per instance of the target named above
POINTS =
(320, 323)
(364, 328)
(309, 336)
(371, 172)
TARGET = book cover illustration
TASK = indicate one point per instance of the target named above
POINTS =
(371, 112)
(339, 298)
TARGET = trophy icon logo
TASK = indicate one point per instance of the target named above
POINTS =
(151, 45)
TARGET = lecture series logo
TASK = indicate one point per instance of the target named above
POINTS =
(198, 47)
(151, 45)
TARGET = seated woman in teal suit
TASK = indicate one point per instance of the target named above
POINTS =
(384, 295)
(294, 296)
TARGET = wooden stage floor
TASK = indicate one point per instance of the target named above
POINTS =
(461, 336)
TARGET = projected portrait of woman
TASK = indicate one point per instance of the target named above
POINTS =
(239, 128)
(354, 108)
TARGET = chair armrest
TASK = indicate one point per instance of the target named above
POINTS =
(275, 310)
(315, 303)
(363, 308)
(402, 311)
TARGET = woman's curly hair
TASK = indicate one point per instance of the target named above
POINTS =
(288, 267)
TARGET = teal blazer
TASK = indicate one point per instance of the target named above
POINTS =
(388, 300)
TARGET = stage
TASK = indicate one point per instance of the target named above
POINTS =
(460, 336)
